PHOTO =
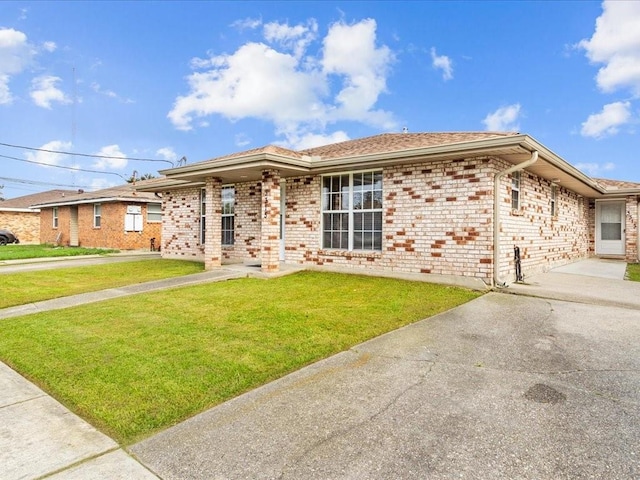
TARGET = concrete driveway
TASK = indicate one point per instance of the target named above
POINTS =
(506, 386)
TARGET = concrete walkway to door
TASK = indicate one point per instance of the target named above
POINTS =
(582, 282)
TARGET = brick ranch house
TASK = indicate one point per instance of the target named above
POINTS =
(437, 204)
(17, 215)
(118, 217)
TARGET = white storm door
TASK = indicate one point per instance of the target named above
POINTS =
(610, 228)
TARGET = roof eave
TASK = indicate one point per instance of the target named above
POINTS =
(97, 200)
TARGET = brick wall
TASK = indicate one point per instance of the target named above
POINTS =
(545, 241)
(24, 225)
(181, 224)
(437, 219)
(110, 234)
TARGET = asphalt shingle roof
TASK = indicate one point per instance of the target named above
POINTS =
(36, 198)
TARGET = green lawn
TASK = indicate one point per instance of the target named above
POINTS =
(137, 365)
(633, 272)
(19, 252)
(28, 287)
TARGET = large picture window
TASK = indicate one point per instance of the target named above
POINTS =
(352, 211)
(228, 201)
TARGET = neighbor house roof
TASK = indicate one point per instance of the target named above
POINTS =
(121, 193)
(24, 203)
(378, 151)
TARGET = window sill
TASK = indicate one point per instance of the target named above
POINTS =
(351, 253)
(517, 213)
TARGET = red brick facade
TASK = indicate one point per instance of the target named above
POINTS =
(111, 232)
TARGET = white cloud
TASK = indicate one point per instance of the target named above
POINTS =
(595, 169)
(350, 52)
(504, 119)
(50, 46)
(167, 153)
(608, 121)
(289, 87)
(616, 44)
(51, 158)
(96, 87)
(44, 91)
(442, 62)
(295, 39)
(100, 184)
(247, 23)
(15, 55)
(242, 140)
(116, 161)
(311, 140)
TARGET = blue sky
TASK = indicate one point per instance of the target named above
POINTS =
(166, 80)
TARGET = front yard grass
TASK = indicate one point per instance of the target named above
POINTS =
(633, 272)
(20, 252)
(136, 365)
(28, 287)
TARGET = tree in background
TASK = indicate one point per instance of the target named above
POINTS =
(134, 178)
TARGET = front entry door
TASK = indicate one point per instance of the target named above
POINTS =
(73, 226)
(610, 228)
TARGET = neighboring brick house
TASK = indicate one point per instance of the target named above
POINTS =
(448, 204)
(17, 215)
(118, 217)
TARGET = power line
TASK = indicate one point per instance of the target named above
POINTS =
(75, 169)
(35, 182)
(87, 154)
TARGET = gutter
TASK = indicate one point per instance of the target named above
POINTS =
(496, 214)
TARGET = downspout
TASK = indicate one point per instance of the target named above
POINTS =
(496, 214)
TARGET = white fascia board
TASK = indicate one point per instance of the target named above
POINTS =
(97, 200)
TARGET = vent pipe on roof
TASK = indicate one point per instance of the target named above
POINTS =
(497, 223)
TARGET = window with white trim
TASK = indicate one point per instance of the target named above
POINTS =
(97, 215)
(352, 211)
(228, 200)
(554, 205)
(55, 217)
(203, 215)
(515, 190)
(154, 212)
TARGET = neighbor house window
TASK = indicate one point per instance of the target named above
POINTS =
(55, 217)
(352, 211)
(154, 212)
(203, 215)
(515, 190)
(228, 200)
(554, 205)
(97, 215)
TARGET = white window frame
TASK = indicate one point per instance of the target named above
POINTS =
(228, 194)
(55, 217)
(203, 215)
(154, 216)
(554, 200)
(97, 215)
(516, 181)
(351, 211)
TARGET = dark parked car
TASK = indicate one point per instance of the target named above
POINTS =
(7, 237)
